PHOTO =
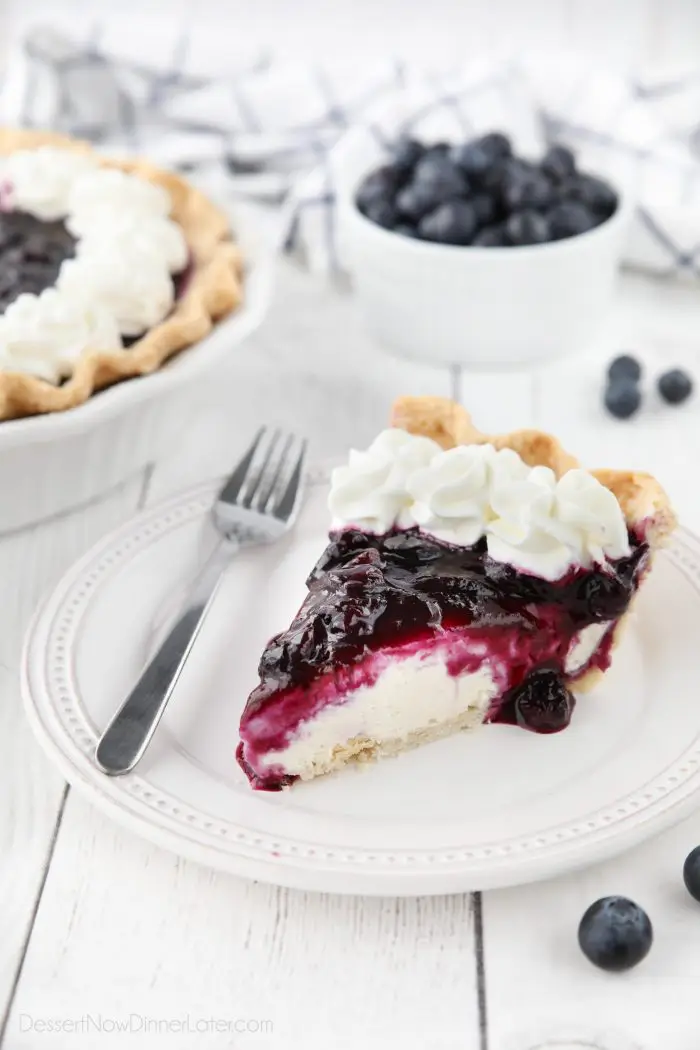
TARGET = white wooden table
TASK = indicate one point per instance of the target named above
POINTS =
(114, 942)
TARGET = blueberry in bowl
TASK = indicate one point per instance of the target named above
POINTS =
(559, 201)
(471, 253)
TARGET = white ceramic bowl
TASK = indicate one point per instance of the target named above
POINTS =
(480, 307)
(54, 463)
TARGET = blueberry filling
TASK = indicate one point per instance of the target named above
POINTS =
(369, 593)
(31, 254)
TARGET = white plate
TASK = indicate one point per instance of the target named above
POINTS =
(492, 808)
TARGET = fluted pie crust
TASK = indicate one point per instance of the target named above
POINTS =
(214, 289)
(643, 501)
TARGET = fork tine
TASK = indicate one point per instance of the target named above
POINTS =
(267, 498)
(253, 487)
(287, 503)
(232, 489)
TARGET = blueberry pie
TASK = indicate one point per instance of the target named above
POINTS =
(468, 579)
(107, 269)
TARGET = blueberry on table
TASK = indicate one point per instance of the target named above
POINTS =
(379, 185)
(558, 163)
(490, 237)
(625, 367)
(623, 398)
(615, 934)
(543, 703)
(383, 213)
(527, 227)
(569, 219)
(691, 873)
(451, 223)
(437, 171)
(596, 194)
(405, 154)
(675, 386)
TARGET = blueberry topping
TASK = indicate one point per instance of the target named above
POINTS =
(558, 163)
(377, 187)
(31, 253)
(622, 398)
(452, 223)
(615, 934)
(527, 227)
(543, 703)
(437, 171)
(491, 237)
(625, 367)
(406, 154)
(570, 218)
(675, 386)
(691, 873)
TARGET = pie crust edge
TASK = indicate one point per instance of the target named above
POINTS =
(214, 290)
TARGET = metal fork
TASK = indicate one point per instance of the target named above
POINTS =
(257, 504)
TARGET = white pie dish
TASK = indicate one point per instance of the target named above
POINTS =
(495, 807)
(479, 307)
(53, 463)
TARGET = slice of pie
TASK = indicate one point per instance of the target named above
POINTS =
(107, 269)
(468, 579)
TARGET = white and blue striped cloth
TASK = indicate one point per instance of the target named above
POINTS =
(266, 129)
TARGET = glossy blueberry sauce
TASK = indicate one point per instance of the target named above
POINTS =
(375, 599)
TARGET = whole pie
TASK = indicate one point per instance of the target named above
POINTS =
(468, 579)
(107, 269)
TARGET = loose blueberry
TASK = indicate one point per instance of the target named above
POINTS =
(596, 194)
(383, 213)
(406, 154)
(558, 163)
(615, 934)
(691, 873)
(543, 703)
(623, 398)
(675, 386)
(570, 218)
(445, 178)
(451, 223)
(527, 227)
(526, 189)
(379, 185)
(625, 367)
(490, 237)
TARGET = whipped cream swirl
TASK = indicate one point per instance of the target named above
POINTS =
(531, 520)
(119, 283)
(45, 334)
(133, 288)
(372, 490)
(40, 181)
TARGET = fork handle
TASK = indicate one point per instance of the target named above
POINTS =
(131, 730)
